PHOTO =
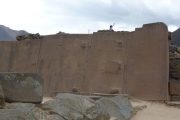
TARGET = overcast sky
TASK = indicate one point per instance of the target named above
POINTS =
(83, 16)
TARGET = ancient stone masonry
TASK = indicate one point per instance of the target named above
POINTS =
(174, 68)
(134, 63)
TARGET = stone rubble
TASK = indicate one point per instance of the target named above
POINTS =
(70, 107)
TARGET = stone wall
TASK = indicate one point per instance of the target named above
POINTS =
(131, 62)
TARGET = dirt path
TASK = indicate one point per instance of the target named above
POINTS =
(156, 111)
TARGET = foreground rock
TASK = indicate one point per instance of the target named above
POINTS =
(22, 111)
(2, 101)
(22, 87)
(75, 107)
(119, 107)
(70, 107)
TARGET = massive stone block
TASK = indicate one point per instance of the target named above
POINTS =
(147, 68)
(78, 107)
(22, 87)
(134, 63)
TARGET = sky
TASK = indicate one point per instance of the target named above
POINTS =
(87, 16)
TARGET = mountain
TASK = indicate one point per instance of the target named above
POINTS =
(7, 34)
(175, 37)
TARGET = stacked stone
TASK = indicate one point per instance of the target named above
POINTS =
(174, 55)
(28, 37)
(174, 72)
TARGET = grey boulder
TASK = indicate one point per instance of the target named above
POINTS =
(118, 108)
(75, 107)
(22, 111)
(22, 87)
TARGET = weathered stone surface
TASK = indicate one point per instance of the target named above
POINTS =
(174, 87)
(112, 108)
(20, 106)
(75, 107)
(174, 72)
(22, 87)
(2, 101)
(119, 107)
(70, 107)
(124, 105)
(54, 117)
(12, 114)
(22, 111)
(85, 61)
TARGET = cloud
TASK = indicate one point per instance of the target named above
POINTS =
(81, 16)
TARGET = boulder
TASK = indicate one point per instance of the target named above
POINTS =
(20, 106)
(2, 101)
(22, 111)
(22, 87)
(12, 114)
(70, 107)
(54, 117)
(111, 108)
(75, 107)
(119, 107)
(124, 105)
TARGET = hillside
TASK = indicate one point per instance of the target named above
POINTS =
(7, 34)
(176, 37)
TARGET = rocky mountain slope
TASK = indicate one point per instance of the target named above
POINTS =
(7, 34)
(176, 37)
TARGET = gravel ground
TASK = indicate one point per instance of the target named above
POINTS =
(155, 111)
